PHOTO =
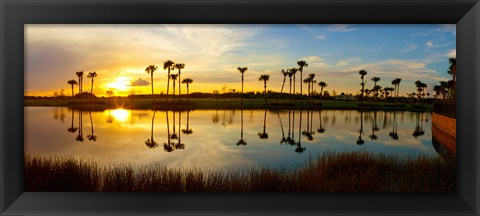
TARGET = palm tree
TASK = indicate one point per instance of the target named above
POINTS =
(375, 80)
(311, 80)
(387, 91)
(290, 74)
(444, 86)
(264, 135)
(437, 89)
(452, 70)
(307, 81)
(92, 75)
(150, 142)
(320, 129)
(265, 79)
(301, 64)
(174, 78)
(285, 74)
(396, 84)
(360, 141)
(283, 140)
(80, 80)
(294, 71)
(80, 126)
(362, 75)
(168, 145)
(168, 65)
(322, 85)
(242, 70)
(150, 69)
(179, 66)
(91, 136)
(187, 81)
(72, 82)
(394, 133)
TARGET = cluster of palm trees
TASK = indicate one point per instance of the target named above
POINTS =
(447, 89)
(290, 73)
(169, 66)
(79, 74)
(378, 90)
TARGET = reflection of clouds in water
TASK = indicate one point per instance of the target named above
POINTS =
(214, 145)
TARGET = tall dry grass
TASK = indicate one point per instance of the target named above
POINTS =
(329, 172)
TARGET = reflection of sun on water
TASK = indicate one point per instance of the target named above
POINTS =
(120, 115)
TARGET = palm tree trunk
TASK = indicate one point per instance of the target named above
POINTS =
(91, 122)
(72, 90)
(151, 79)
(301, 86)
(174, 94)
(363, 89)
(284, 77)
(179, 85)
(321, 94)
(91, 88)
(294, 88)
(265, 87)
(188, 95)
(168, 83)
(242, 88)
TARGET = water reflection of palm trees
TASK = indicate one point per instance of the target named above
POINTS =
(179, 144)
(299, 148)
(174, 134)
(419, 125)
(168, 146)
(320, 129)
(374, 127)
(187, 131)
(283, 140)
(72, 129)
(289, 138)
(150, 142)
(109, 118)
(360, 141)
(263, 134)
(92, 135)
(394, 133)
(309, 132)
(241, 141)
(79, 137)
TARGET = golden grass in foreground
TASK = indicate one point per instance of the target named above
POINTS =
(330, 172)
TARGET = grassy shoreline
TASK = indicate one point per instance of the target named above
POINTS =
(329, 172)
(211, 103)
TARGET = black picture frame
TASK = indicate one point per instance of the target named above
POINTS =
(14, 14)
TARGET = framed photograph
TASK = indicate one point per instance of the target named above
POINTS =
(357, 99)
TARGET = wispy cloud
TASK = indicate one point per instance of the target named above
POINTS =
(429, 44)
(347, 62)
(320, 37)
(409, 47)
(451, 28)
(341, 28)
(419, 34)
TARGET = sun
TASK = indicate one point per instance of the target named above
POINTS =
(120, 114)
(120, 83)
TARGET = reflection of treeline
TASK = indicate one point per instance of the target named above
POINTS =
(349, 172)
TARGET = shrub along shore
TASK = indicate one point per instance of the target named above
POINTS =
(219, 103)
(329, 172)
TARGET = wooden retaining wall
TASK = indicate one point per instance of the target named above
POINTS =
(444, 130)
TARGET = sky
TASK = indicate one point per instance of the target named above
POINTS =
(119, 55)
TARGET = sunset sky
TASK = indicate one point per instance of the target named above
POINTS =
(211, 54)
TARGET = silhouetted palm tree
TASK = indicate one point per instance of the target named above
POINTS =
(301, 64)
(452, 70)
(285, 74)
(168, 65)
(72, 129)
(290, 74)
(150, 69)
(322, 86)
(80, 80)
(241, 141)
(150, 142)
(312, 81)
(362, 75)
(294, 71)
(174, 78)
(179, 66)
(396, 83)
(242, 70)
(72, 82)
(264, 135)
(187, 81)
(375, 80)
(265, 79)
(92, 75)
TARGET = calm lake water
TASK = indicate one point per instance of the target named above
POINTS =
(214, 139)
